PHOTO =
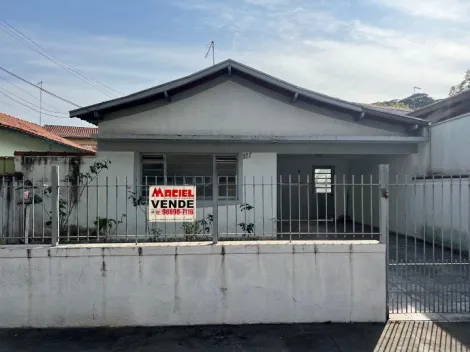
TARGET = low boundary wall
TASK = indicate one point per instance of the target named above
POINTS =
(192, 283)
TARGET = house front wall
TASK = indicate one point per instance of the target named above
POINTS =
(108, 196)
(237, 107)
(11, 141)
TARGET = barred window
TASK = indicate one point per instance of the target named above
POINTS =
(153, 169)
(190, 169)
(323, 180)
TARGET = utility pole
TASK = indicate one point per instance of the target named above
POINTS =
(211, 46)
(40, 103)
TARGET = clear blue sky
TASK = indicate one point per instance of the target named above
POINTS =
(359, 50)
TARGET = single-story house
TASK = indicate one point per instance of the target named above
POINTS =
(248, 127)
(21, 135)
(83, 136)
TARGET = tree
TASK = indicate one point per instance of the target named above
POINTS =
(395, 103)
(418, 101)
(413, 102)
(462, 86)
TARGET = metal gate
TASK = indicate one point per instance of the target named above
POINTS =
(428, 244)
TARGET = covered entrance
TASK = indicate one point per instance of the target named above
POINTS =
(321, 196)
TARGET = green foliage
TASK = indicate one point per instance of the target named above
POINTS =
(248, 227)
(79, 183)
(418, 101)
(462, 86)
(413, 102)
(198, 227)
(395, 103)
(106, 226)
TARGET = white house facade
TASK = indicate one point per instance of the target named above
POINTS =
(293, 155)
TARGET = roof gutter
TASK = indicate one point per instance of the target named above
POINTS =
(267, 139)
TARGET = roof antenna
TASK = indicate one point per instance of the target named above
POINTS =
(211, 46)
(414, 89)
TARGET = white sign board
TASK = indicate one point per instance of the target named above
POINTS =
(172, 203)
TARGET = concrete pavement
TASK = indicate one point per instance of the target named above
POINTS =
(393, 336)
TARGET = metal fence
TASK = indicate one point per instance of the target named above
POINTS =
(424, 221)
(113, 209)
(428, 246)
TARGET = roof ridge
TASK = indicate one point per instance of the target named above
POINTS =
(165, 90)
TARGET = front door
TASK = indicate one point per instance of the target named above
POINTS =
(322, 200)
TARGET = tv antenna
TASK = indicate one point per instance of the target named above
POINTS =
(211, 46)
(415, 88)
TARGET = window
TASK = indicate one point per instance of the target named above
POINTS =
(323, 180)
(153, 169)
(190, 169)
(227, 174)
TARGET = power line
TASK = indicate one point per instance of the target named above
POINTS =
(42, 89)
(28, 102)
(19, 102)
(4, 102)
(24, 90)
(17, 34)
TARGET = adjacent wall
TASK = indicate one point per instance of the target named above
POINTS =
(11, 141)
(449, 146)
(186, 284)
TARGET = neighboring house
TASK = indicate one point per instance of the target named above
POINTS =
(83, 136)
(20, 135)
(445, 109)
(17, 135)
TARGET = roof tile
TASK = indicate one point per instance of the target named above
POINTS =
(13, 123)
(72, 131)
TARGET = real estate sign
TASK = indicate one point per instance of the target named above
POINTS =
(172, 203)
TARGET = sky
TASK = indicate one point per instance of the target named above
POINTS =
(358, 50)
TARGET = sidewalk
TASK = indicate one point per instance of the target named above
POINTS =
(394, 336)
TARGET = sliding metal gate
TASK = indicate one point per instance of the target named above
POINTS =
(428, 245)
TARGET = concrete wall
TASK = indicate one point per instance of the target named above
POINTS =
(237, 107)
(449, 146)
(185, 284)
(11, 141)
(438, 211)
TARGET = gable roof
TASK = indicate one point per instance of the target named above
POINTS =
(15, 124)
(72, 131)
(230, 67)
